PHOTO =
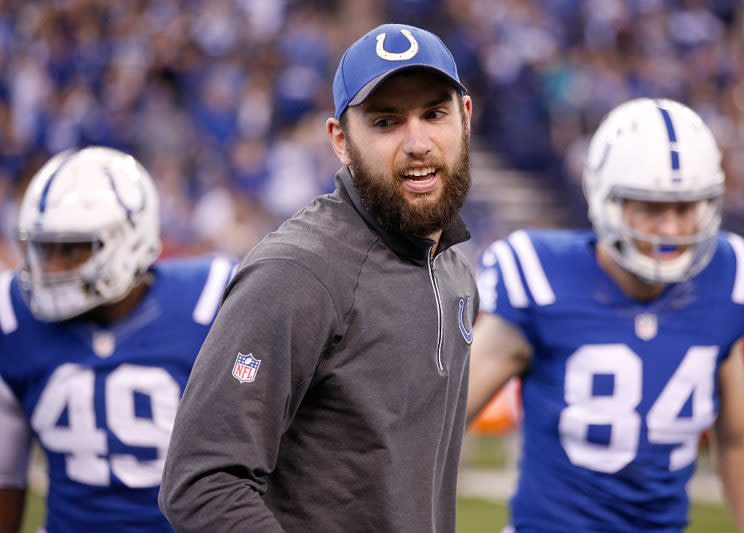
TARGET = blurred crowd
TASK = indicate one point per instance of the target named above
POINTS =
(224, 101)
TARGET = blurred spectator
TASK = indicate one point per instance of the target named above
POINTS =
(225, 100)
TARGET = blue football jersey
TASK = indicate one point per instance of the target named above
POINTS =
(618, 390)
(102, 401)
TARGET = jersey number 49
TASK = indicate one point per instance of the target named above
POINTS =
(85, 446)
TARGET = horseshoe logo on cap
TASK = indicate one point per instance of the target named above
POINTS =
(402, 56)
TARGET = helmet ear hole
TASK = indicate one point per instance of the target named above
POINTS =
(97, 195)
(654, 151)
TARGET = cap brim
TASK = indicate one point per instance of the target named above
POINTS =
(371, 85)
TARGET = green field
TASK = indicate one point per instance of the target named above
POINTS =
(478, 516)
(474, 516)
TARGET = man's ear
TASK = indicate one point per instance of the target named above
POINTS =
(338, 140)
(467, 106)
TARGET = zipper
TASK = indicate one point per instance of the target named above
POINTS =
(435, 287)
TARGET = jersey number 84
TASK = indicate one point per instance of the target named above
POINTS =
(618, 410)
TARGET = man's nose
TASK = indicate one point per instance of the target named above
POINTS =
(56, 259)
(669, 222)
(57, 262)
(417, 139)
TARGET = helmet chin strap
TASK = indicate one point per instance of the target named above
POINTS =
(53, 304)
(141, 278)
(113, 310)
(654, 270)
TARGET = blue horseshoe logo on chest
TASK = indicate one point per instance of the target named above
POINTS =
(465, 331)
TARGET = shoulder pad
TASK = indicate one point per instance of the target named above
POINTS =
(8, 321)
(220, 272)
(737, 244)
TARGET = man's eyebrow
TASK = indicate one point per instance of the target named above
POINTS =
(442, 98)
(371, 108)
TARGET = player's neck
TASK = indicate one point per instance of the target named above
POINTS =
(633, 286)
(114, 312)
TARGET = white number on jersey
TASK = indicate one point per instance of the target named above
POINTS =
(71, 388)
(617, 410)
(693, 378)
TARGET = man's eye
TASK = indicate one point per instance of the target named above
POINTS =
(75, 251)
(382, 123)
(435, 114)
(652, 209)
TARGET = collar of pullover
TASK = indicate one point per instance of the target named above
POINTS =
(411, 247)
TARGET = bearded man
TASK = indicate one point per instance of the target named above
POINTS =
(330, 393)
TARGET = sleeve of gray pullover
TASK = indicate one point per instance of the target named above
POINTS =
(226, 435)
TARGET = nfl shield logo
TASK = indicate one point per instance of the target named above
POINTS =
(646, 326)
(245, 368)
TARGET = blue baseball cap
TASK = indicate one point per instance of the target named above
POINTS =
(384, 51)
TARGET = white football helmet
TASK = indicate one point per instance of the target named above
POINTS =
(95, 195)
(654, 151)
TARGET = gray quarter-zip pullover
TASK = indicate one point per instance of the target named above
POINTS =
(353, 419)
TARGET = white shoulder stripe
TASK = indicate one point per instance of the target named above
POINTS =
(487, 280)
(737, 243)
(512, 281)
(209, 301)
(8, 322)
(537, 281)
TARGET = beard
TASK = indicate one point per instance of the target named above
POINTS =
(384, 198)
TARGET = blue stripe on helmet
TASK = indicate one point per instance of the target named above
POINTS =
(603, 159)
(672, 137)
(675, 160)
(129, 211)
(110, 176)
(48, 184)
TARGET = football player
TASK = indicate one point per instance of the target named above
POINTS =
(96, 344)
(625, 336)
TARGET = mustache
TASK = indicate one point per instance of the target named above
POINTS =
(383, 196)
